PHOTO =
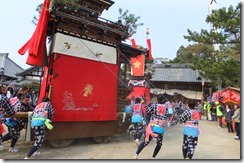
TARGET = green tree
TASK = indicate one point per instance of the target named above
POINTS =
(192, 52)
(129, 20)
(216, 53)
(38, 10)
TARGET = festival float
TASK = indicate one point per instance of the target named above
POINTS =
(84, 70)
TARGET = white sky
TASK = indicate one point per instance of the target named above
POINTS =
(167, 20)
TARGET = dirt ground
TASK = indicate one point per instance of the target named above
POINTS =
(214, 143)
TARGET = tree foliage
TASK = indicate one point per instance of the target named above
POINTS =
(129, 20)
(216, 53)
(38, 10)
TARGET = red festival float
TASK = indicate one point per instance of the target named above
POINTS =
(82, 71)
(229, 95)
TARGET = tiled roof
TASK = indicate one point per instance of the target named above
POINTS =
(175, 73)
(8, 67)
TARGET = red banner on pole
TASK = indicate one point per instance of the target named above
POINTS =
(133, 42)
(138, 65)
(149, 49)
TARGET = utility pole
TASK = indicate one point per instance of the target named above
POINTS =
(203, 94)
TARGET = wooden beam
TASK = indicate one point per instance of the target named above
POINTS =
(17, 115)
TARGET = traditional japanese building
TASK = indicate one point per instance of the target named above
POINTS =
(178, 82)
(8, 69)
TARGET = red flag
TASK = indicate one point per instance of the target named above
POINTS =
(133, 42)
(149, 49)
(138, 65)
(36, 45)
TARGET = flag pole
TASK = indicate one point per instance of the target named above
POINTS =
(147, 33)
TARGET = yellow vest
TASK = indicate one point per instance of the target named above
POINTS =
(208, 108)
(218, 111)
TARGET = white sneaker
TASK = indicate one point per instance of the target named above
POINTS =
(26, 157)
(13, 150)
(36, 153)
(135, 156)
(236, 137)
(2, 146)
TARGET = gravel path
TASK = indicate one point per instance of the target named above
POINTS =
(214, 143)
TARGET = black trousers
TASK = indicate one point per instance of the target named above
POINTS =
(237, 128)
(189, 146)
(156, 149)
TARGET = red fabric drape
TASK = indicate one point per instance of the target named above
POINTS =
(133, 42)
(83, 90)
(36, 45)
(149, 49)
(138, 65)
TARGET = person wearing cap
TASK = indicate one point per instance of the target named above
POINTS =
(40, 120)
(219, 112)
(190, 118)
(155, 129)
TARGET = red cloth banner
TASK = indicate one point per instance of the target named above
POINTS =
(149, 49)
(83, 90)
(133, 42)
(36, 45)
(138, 65)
